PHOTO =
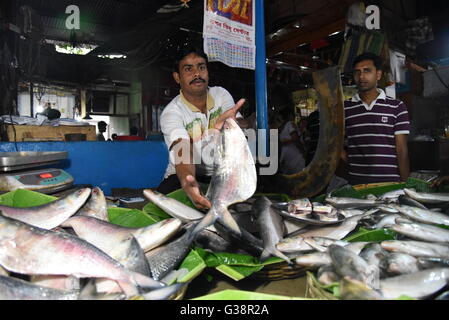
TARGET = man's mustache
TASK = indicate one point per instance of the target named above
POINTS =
(197, 79)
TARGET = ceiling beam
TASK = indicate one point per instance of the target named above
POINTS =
(306, 37)
(330, 19)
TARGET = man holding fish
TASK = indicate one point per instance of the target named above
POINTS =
(187, 122)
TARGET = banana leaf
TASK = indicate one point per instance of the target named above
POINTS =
(22, 198)
(131, 218)
(195, 265)
(424, 186)
(365, 235)
(380, 190)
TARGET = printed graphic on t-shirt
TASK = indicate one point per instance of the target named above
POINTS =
(213, 117)
(195, 129)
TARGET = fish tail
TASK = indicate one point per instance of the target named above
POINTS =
(208, 220)
(228, 221)
(164, 293)
(128, 288)
(275, 252)
(265, 255)
(146, 282)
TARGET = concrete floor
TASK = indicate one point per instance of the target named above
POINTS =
(200, 286)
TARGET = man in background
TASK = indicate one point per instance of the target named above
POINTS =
(101, 129)
(377, 127)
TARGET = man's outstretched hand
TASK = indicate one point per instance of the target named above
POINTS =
(192, 189)
(231, 113)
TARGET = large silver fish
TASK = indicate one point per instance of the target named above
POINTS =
(96, 206)
(386, 221)
(319, 258)
(337, 232)
(234, 178)
(111, 239)
(50, 215)
(352, 203)
(148, 237)
(417, 248)
(18, 289)
(173, 207)
(271, 228)
(34, 251)
(416, 285)
(314, 260)
(423, 197)
(423, 232)
(422, 215)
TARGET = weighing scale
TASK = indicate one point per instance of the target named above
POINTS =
(45, 180)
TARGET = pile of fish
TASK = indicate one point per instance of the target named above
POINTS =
(67, 249)
(415, 264)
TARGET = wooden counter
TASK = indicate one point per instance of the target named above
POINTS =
(48, 133)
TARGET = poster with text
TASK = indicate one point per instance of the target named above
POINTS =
(229, 32)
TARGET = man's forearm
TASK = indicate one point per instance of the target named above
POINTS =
(404, 166)
(183, 170)
(183, 154)
(402, 154)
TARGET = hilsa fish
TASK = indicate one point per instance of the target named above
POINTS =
(430, 198)
(96, 206)
(50, 215)
(18, 289)
(234, 179)
(271, 228)
(30, 250)
(148, 237)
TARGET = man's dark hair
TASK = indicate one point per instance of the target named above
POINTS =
(185, 51)
(377, 61)
(102, 124)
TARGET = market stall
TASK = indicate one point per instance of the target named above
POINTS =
(335, 228)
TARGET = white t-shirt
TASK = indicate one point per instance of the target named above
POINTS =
(182, 120)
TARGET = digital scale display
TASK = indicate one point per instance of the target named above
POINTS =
(44, 177)
(20, 171)
(43, 180)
